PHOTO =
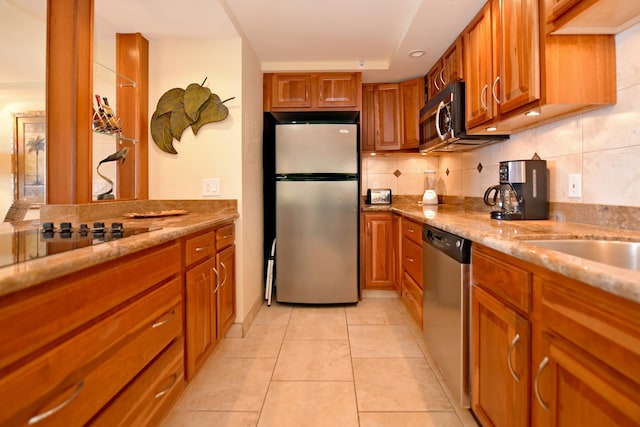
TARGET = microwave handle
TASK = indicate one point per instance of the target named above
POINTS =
(440, 107)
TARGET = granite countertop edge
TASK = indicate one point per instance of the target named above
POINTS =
(25, 275)
(510, 237)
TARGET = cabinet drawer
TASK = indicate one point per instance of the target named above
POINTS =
(82, 374)
(200, 247)
(225, 236)
(412, 231)
(412, 297)
(40, 316)
(145, 401)
(412, 260)
(606, 326)
(506, 281)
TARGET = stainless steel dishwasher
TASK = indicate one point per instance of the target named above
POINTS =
(446, 307)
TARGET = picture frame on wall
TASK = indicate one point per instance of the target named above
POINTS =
(29, 157)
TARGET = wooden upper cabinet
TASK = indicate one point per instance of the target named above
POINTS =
(338, 90)
(433, 78)
(447, 69)
(478, 66)
(452, 62)
(291, 90)
(368, 118)
(516, 27)
(590, 16)
(412, 98)
(313, 92)
(387, 104)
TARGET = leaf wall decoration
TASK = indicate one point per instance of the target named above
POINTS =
(179, 109)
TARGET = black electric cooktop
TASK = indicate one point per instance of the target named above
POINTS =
(26, 245)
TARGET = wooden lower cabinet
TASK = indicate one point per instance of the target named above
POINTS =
(575, 353)
(209, 292)
(201, 314)
(150, 396)
(573, 389)
(68, 379)
(500, 361)
(411, 268)
(225, 260)
(377, 259)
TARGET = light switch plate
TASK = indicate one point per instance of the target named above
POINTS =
(211, 187)
(575, 186)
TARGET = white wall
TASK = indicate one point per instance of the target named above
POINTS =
(602, 145)
(225, 149)
(251, 208)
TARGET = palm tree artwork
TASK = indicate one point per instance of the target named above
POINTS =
(36, 144)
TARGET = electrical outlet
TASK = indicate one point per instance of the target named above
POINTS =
(211, 187)
(575, 186)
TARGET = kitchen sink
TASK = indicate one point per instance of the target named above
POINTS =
(616, 253)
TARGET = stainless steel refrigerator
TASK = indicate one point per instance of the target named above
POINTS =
(317, 202)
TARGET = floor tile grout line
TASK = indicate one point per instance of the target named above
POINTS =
(273, 370)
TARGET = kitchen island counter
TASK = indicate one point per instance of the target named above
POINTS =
(510, 237)
(25, 275)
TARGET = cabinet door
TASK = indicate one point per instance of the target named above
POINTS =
(338, 90)
(477, 52)
(518, 46)
(452, 63)
(388, 106)
(500, 362)
(412, 96)
(368, 118)
(432, 80)
(572, 389)
(226, 285)
(201, 328)
(291, 91)
(378, 244)
(396, 223)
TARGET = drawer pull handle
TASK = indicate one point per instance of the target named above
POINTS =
(226, 236)
(164, 321)
(203, 248)
(410, 230)
(408, 295)
(410, 259)
(166, 390)
(535, 384)
(217, 279)
(37, 418)
(513, 345)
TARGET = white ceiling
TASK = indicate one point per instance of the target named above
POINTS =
(372, 36)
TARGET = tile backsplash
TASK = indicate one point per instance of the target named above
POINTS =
(603, 146)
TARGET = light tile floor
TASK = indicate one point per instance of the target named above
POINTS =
(356, 365)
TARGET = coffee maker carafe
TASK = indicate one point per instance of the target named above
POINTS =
(522, 191)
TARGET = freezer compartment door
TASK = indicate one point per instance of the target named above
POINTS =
(316, 148)
(317, 242)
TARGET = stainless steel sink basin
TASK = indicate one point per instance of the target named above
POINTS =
(611, 252)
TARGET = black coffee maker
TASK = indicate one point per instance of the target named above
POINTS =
(522, 192)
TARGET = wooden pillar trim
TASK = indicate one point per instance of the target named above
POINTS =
(69, 101)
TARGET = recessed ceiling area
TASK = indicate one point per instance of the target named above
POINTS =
(372, 36)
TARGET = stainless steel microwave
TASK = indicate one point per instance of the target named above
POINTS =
(443, 125)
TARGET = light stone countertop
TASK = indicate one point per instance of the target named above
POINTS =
(510, 237)
(28, 274)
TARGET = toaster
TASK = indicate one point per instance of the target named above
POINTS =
(378, 196)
